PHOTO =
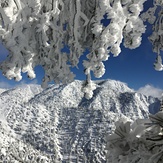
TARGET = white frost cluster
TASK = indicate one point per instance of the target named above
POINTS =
(125, 23)
(158, 64)
(139, 142)
(157, 36)
(88, 89)
(35, 33)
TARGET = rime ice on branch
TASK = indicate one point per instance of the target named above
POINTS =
(35, 33)
(157, 36)
(137, 142)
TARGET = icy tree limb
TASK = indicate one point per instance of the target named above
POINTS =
(35, 33)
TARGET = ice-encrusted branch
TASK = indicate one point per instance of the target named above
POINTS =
(124, 24)
(154, 15)
(35, 33)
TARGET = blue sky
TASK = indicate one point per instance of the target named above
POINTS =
(134, 67)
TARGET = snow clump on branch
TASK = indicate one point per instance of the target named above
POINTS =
(36, 32)
(137, 142)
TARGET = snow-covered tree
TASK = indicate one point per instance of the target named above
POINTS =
(35, 33)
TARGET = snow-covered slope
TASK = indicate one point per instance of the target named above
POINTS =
(17, 97)
(1, 90)
(62, 126)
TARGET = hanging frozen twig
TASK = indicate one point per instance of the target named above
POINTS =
(35, 32)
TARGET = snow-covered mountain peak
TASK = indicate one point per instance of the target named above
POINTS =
(114, 85)
(22, 93)
(61, 124)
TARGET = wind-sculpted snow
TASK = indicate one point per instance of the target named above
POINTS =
(60, 125)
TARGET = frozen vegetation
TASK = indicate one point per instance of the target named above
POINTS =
(37, 33)
(60, 124)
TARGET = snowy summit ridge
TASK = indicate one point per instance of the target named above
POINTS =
(60, 125)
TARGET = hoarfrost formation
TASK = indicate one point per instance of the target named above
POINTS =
(35, 33)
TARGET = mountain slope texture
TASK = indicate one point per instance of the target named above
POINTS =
(58, 125)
